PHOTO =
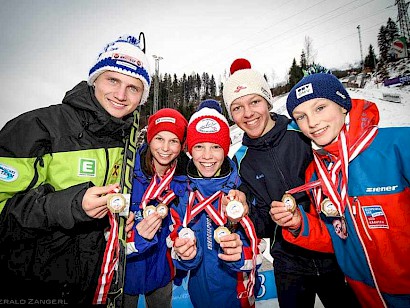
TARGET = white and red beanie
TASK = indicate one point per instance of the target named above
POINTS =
(243, 81)
(208, 125)
(167, 119)
(126, 57)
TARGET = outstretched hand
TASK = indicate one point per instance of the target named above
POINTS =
(231, 245)
(282, 217)
(149, 226)
(95, 200)
(185, 248)
(237, 195)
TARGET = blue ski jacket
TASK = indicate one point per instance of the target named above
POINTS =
(149, 265)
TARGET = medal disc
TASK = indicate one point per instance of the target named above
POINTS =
(219, 232)
(328, 208)
(339, 224)
(290, 202)
(116, 203)
(234, 210)
(186, 233)
(162, 210)
(150, 209)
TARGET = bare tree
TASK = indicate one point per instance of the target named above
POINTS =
(310, 53)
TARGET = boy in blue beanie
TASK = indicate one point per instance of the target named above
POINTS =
(359, 185)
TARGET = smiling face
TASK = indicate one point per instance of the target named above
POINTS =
(165, 147)
(251, 114)
(117, 93)
(320, 120)
(208, 158)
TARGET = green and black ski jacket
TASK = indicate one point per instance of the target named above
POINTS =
(50, 250)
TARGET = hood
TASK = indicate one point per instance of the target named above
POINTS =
(362, 115)
(93, 116)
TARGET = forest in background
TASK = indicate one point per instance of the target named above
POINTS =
(185, 93)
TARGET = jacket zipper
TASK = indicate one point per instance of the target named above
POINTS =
(107, 160)
(317, 269)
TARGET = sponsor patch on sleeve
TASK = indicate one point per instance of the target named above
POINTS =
(7, 173)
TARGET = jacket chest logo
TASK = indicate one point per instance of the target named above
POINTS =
(87, 167)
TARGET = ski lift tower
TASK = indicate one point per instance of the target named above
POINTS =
(361, 50)
(403, 18)
(156, 85)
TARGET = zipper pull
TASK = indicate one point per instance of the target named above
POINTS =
(354, 209)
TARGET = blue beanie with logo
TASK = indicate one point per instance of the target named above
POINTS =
(318, 85)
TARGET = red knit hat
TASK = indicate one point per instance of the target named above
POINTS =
(167, 119)
(208, 125)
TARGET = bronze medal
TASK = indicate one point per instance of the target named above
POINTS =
(219, 232)
(234, 210)
(328, 208)
(116, 203)
(150, 209)
(162, 210)
(290, 202)
(186, 233)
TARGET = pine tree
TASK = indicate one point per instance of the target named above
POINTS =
(295, 73)
(370, 59)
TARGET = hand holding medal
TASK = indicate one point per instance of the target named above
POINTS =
(231, 245)
(284, 213)
(185, 244)
(234, 205)
(148, 227)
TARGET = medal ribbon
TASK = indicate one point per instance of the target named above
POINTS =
(251, 233)
(111, 256)
(328, 176)
(204, 203)
(157, 186)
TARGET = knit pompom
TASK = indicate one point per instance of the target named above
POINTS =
(239, 64)
(210, 103)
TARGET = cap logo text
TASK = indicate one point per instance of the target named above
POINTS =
(208, 126)
(304, 90)
(341, 95)
(164, 120)
(239, 88)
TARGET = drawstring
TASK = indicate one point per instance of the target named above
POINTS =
(85, 125)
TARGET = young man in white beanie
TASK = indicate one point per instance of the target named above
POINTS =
(58, 164)
(275, 160)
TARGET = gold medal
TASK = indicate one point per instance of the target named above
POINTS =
(150, 209)
(186, 233)
(219, 232)
(162, 210)
(116, 203)
(328, 208)
(290, 202)
(234, 210)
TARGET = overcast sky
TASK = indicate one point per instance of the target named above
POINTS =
(48, 46)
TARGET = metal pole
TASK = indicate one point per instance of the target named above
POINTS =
(156, 84)
(360, 43)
